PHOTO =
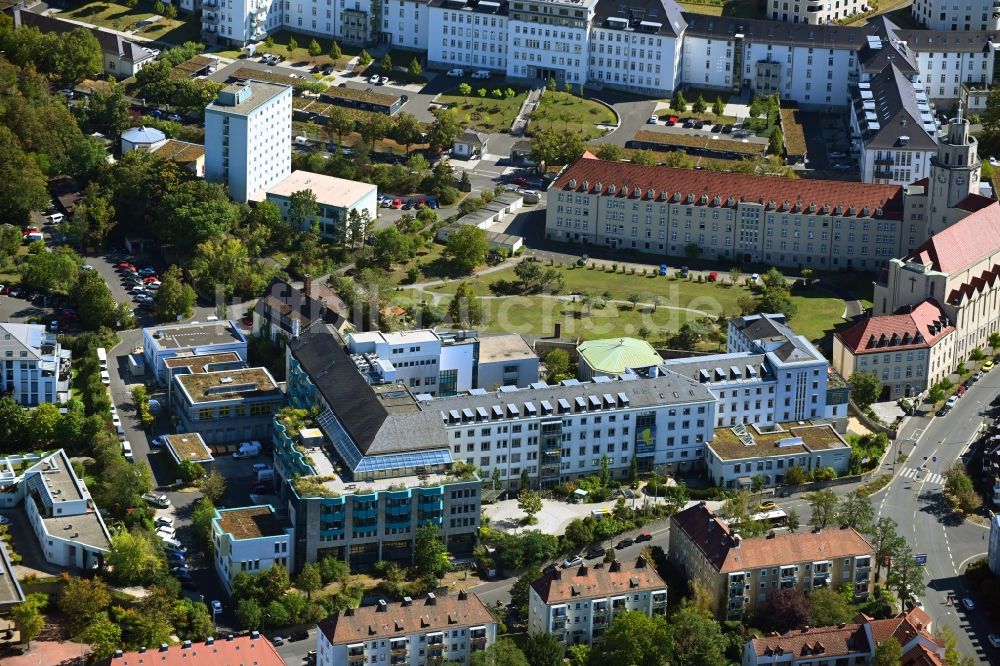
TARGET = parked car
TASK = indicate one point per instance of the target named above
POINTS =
(727, 129)
(624, 543)
(652, 120)
(994, 640)
(164, 521)
(278, 640)
(373, 79)
(456, 72)
(684, 271)
(950, 402)
(175, 117)
(968, 604)
(183, 576)
(4, 520)
(988, 365)
(672, 120)
(572, 562)
(300, 635)
(328, 70)
(596, 551)
(384, 80)
(663, 269)
(522, 181)
(837, 154)
(159, 501)
(482, 74)
(644, 536)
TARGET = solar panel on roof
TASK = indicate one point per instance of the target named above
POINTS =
(230, 388)
(870, 115)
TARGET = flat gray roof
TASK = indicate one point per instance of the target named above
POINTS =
(195, 335)
(10, 589)
(87, 527)
(62, 483)
(503, 347)
(260, 93)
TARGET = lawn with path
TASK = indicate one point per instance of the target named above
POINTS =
(300, 55)
(119, 17)
(484, 113)
(562, 111)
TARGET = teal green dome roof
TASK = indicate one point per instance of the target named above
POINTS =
(616, 355)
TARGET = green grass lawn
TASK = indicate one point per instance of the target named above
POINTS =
(738, 8)
(486, 114)
(680, 301)
(119, 17)
(301, 54)
(561, 110)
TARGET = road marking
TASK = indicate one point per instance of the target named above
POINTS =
(968, 559)
(922, 476)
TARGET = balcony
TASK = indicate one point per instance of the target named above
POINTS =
(821, 580)
(209, 17)
(363, 514)
(397, 659)
(558, 625)
(600, 610)
(397, 647)
(882, 173)
(358, 658)
(431, 505)
(398, 510)
(862, 577)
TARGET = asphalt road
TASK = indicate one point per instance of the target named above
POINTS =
(917, 504)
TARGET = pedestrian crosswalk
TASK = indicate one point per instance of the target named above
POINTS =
(922, 475)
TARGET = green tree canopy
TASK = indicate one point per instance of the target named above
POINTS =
(888, 653)
(464, 308)
(466, 249)
(634, 638)
(175, 298)
(430, 556)
(865, 388)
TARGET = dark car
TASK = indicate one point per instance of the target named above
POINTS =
(689, 123)
(943, 411)
(596, 551)
(300, 635)
(727, 129)
(645, 536)
(327, 71)
(684, 271)
(717, 128)
(624, 543)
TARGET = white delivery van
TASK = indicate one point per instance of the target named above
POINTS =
(248, 450)
(33, 236)
(102, 358)
(127, 451)
(301, 141)
(55, 218)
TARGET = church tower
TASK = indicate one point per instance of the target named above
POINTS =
(954, 172)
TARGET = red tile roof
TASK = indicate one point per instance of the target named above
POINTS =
(237, 651)
(974, 202)
(921, 655)
(904, 627)
(716, 540)
(600, 580)
(663, 183)
(982, 282)
(962, 244)
(922, 328)
(823, 642)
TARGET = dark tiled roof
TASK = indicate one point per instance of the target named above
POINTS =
(896, 114)
(639, 181)
(947, 41)
(356, 625)
(642, 16)
(600, 580)
(284, 303)
(889, 49)
(819, 642)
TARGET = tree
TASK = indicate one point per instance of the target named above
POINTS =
(553, 147)
(391, 246)
(274, 582)
(202, 516)
(579, 654)
(543, 649)
(776, 142)
(905, 577)
(634, 638)
(504, 652)
(10, 241)
(945, 636)
(374, 128)
(829, 607)
(275, 614)
(51, 272)
(609, 151)
(935, 394)
(699, 106)
(28, 618)
(78, 56)
(785, 609)
(634, 299)
(309, 579)
(103, 636)
(415, 69)
(83, 599)
(692, 250)
(642, 157)
(579, 533)
(23, 187)
(824, 507)
(557, 365)
(133, 558)
(675, 498)
(444, 130)
(695, 639)
(339, 122)
(335, 52)
(960, 490)
(464, 308)
(885, 540)
(406, 131)
(95, 304)
(314, 48)
(430, 556)
(678, 102)
(249, 614)
(364, 59)
(718, 107)
(386, 64)
(175, 298)
(888, 653)
(192, 620)
(792, 519)
(292, 45)
(213, 486)
(519, 591)
(865, 388)
(777, 300)
(856, 511)
(994, 340)
(531, 503)
(739, 509)
(466, 248)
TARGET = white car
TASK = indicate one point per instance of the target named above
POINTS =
(166, 531)
(174, 117)
(951, 401)
(652, 120)
(153, 286)
(260, 467)
(164, 521)
(116, 420)
(994, 640)
(105, 378)
(373, 79)
(384, 80)
(482, 74)
(456, 72)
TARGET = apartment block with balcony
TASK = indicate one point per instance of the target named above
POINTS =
(34, 368)
(740, 573)
(414, 632)
(578, 605)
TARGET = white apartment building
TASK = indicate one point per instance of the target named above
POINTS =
(814, 12)
(956, 15)
(578, 605)
(250, 539)
(549, 39)
(769, 375)
(58, 506)
(248, 137)
(659, 210)
(414, 632)
(34, 368)
(406, 24)
(443, 363)
(469, 34)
